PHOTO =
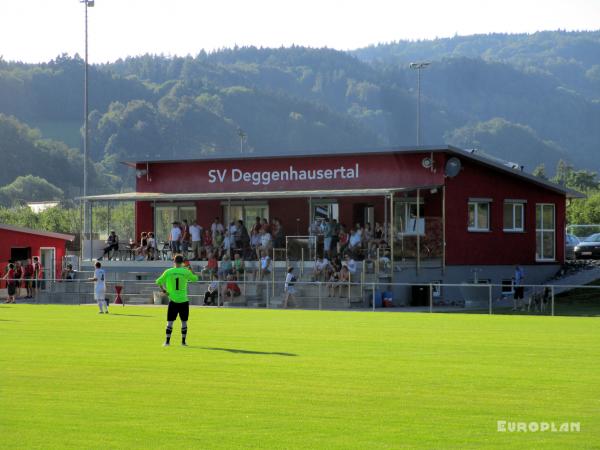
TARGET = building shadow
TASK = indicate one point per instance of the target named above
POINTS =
(246, 352)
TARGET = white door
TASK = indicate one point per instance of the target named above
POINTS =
(48, 261)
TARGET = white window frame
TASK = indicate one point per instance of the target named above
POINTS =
(409, 225)
(514, 204)
(476, 203)
(543, 230)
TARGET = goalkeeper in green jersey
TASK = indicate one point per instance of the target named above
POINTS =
(173, 282)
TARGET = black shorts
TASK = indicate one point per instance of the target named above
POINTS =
(183, 309)
(519, 291)
(11, 289)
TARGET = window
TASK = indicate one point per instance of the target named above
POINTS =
(479, 216)
(544, 232)
(247, 211)
(507, 286)
(406, 221)
(166, 215)
(514, 215)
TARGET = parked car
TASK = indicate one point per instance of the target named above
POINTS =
(588, 249)
(571, 241)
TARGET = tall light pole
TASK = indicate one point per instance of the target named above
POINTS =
(418, 66)
(86, 221)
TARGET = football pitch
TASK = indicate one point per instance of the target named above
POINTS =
(71, 378)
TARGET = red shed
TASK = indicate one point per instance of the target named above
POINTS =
(20, 244)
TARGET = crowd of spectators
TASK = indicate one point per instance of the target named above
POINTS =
(22, 276)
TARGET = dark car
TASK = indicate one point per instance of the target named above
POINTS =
(571, 241)
(588, 249)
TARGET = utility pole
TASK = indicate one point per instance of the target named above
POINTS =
(418, 66)
(242, 136)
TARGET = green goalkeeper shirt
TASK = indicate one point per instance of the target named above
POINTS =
(176, 280)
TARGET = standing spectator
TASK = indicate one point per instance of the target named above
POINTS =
(217, 227)
(327, 233)
(37, 276)
(264, 225)
(68, 274)
(196, 234)
(344, 239)
(265, 265)
(255, 235)
(10, 284)
(289, 288)
(278, 234)
(175, 238)
(18, 278)
(185, 238)
(218, 244)
(244, 238)
(207, 242)
(519, 288)
(28, 275)
(335, 237)
(228, 244)
(233, 231)
(264, 244)
(112, 245)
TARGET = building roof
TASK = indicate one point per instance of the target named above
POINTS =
(64, 237)
(481, 158)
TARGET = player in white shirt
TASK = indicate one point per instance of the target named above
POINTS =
(100, 288)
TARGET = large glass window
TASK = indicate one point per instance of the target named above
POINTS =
(248, 212)
(545, 241)
(406, 219)
(166, 215)
(479, 216)
(514, 216)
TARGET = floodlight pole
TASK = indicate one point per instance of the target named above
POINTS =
(242, 135)
(86, 221)
(418, 66)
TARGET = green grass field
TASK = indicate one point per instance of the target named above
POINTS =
(71, 378)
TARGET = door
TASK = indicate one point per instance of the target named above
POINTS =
(48, 262)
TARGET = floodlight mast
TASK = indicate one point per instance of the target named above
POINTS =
(418, 66)
(86, 220)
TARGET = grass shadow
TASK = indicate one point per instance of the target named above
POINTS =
(130, 315)
(246, 352)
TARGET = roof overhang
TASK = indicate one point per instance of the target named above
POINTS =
(64, 237)
(162, 197)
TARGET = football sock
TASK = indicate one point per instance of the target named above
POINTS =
(100, 304)
(183, 331)
(169, 331)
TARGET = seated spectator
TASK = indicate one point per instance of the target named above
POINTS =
(112, 244)
(350, 264)
(68, 274)
(322, 269)
(211, 268)
(231, 289)
(226, 268)
(152, 250)
(343, 240)
(212, 290)
(264, 265)
(141, 250)
(239, 267)
(333, 284)
(355, 239)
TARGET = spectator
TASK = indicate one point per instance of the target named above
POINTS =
(185, 238)
(212, 266)
(142, 249)
(350, 264)
(68, 274)
(18, 278)
(243, 241)
(228, 244)
(217, 227)
(239, 266)
(278, 234)
(255, 234)
(231, 288)
(335, 237)
(10, 284)
(210, 296)
(226, 267)
(28, 275)
(218, 244)
(152, 250)
(327, 233)
(264, 225)
(265, 265)
(112, 244)
(196, 235)
(175, 239)
(322, 269)
(37, 275)
(343, 239)
(264, 244)
(333, 284)
(207, 242)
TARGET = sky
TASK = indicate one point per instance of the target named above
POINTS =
(40, 30)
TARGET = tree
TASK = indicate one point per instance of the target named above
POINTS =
(30, 188)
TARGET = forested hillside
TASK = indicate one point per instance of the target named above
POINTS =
(530, 99)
